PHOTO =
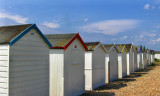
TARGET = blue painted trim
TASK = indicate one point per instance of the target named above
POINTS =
(26, 31)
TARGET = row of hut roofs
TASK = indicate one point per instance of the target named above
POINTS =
(32, 64)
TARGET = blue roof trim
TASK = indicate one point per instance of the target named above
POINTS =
(26, 31)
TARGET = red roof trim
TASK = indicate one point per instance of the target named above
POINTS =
(76, 36)
(58, 47)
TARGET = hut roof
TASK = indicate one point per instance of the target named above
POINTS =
(91, 45)
(62, 41)
(8, 33)
(11, 34)
(120, 48)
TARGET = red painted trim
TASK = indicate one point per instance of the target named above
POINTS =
(58, 47)
(76, 36)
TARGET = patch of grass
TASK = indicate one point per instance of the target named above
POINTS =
(157, 60)
(153, 64)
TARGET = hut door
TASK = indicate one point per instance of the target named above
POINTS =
(76, 72)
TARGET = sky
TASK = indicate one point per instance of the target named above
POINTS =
(107, 21)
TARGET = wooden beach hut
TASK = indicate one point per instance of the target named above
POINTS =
(24, 61)
(144, 57)
(111, 58)
(94, 65)
(135, 63)
(67, 59)
(139, 57)
(122, 60)
(130, 58)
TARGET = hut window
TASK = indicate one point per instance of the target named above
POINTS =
(75, 56)
(32, 33)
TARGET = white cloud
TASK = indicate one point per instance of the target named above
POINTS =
(147, 6)
(110, 27)
(124, 37)
(16, 18)
(51, 24)
(85, 19)
(155, 41)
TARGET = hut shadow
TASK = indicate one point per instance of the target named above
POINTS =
(94, 93)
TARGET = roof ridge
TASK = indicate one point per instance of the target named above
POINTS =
(15, 25)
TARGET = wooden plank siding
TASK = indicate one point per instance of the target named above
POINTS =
(29, 66)
(4, 69)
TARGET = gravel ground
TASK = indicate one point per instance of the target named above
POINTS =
(142, 83)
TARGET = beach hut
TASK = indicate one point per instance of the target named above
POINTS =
(122, 60)
(24, 61)
(157, 54)
(135, 63)
(66, 64)
(94, 65)
(148, 56)
(139, 57)
(130, 58)
(144, 57)
(111, 58)
(152, 56)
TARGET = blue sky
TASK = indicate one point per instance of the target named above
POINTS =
(108, 21)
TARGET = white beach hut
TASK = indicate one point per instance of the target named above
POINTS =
(67, 59)
(130, 58)
(148, 57)
(24, 61)
(122, 60)
(135, 63)
(139, 57)
(144, 58)
(94, 65)
(152, 56)
(157, 54)
(111, 72)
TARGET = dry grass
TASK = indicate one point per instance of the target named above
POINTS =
(143, 83)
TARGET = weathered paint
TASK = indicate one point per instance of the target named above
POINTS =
(29, 66)
(74, 79)
(135, 61)
(4, 70)
(144, 59)
(111, 65)
(67, 70)
(97, 74)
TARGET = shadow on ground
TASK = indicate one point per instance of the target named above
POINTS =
(118, 83)
(92, 93)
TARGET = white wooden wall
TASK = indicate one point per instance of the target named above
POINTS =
(139, 60)
(74, 61)
(88, 70)
(135, 62)
(119, 65)
(4, 70)
(98, 73)
(56, 72)
(29, 66)
(113, 59)
(157, 56)
(106, 68)
(145, 59)
(129, 63)
(124, 64)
